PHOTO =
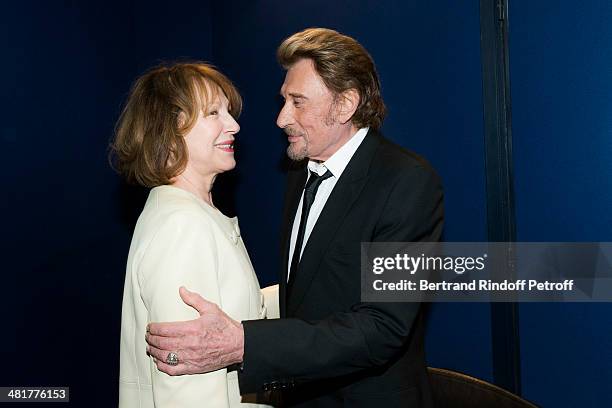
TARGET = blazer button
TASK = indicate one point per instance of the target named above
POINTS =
(235, 234)
(273, 385)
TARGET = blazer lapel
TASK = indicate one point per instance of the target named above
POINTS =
(346, 191)
(296, 180)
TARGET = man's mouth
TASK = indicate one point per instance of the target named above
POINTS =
(293, 136)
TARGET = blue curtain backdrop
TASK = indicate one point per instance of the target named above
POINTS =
(67, 67)
(561, 69)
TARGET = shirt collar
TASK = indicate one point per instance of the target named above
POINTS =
(339, 160)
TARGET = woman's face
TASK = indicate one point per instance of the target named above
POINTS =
(210, 143)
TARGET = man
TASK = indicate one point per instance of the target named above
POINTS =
(329, 349)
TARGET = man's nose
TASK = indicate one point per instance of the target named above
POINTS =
(284, 116)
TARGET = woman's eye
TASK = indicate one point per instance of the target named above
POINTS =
(213, 112)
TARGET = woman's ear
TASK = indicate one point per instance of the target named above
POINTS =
(181, 120)
(348, 101)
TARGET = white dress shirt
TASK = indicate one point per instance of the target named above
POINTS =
(336, 165)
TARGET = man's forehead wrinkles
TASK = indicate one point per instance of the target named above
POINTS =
(294, 94)
(284, 92)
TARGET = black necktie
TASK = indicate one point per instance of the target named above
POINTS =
(310, 191)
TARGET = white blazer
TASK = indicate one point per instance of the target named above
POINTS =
(181, 240)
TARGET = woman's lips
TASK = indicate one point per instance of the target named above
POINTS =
(227, 146)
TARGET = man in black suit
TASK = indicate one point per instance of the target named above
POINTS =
(329, 348)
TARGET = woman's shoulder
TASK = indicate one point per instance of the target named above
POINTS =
(170, 207)
(167, 201)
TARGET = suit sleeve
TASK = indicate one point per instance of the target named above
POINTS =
(182, 252)
(368, 335)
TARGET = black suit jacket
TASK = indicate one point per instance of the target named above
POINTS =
(329, 349)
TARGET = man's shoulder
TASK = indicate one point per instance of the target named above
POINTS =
(393, 159)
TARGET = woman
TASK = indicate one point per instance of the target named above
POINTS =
(176, 134)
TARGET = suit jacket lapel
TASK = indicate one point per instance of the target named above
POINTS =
(345, 192)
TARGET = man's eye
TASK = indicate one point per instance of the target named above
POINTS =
(297, 103)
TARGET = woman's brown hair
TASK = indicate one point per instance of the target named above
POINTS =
(163, 105)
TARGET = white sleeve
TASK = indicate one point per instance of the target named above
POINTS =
(272, 308)
(182, 253)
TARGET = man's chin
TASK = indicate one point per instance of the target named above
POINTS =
(297, 154)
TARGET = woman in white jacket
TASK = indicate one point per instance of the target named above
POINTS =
(176, 134)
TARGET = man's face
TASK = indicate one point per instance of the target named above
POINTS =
(307, 116)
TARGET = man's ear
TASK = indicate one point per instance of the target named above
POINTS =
(348, 101)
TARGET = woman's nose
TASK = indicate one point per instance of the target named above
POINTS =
(232, 126)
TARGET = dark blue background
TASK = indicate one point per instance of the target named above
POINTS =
(561, 69)
(67, 67)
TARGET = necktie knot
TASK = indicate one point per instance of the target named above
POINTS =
(313, 183)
